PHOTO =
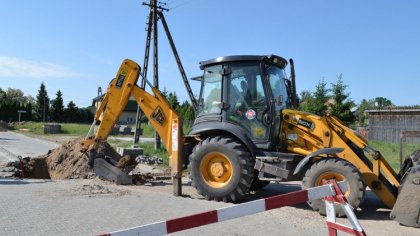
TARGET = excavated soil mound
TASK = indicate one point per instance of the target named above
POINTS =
(66, 162)
(126, 161)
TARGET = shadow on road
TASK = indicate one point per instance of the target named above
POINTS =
(13, 182)
(20, 182)
(373, 208)
(273, 189)
(7, 139)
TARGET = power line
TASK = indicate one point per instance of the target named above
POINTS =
(182, 4)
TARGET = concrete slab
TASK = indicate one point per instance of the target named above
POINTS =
(133, 151)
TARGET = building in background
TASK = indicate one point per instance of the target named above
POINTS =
(386, 125)
(129, 115)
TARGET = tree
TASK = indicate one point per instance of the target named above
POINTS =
(14, 94)
(173, 100)
(57, 107)
(84, 115)
(11, 102)
(71, 112)
(164, 92)
(42, 104)
(371, 104)
(381, 102)
(305, 94)
(2, 95)
(341, 105)
(186, 111)
(189, 113)
(360, 114)
(316, 103)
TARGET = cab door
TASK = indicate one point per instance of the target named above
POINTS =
(249, 104)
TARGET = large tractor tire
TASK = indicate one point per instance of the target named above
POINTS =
(221, 169)
(339, 170)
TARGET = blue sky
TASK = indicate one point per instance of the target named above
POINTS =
(77, 46)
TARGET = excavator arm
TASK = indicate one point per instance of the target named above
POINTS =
(154, 106)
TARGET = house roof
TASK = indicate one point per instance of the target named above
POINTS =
(394, 110)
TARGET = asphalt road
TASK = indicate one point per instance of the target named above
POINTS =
(14, 144)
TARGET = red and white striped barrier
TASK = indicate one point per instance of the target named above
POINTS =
(231, 212)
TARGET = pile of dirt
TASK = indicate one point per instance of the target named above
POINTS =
(66, 162)
(4, 126)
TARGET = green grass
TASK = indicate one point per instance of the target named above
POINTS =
(66, 128)
(73, 129)
(148, 130)
(391, 151)
(32, 127)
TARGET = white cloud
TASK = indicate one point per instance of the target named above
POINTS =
(16, 67)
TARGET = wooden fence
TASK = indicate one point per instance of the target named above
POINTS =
(387, 125)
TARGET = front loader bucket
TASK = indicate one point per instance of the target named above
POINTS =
(407, 207)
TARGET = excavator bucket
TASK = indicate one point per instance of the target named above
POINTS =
(107, 171)
(406, 210)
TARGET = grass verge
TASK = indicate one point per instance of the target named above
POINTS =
(66, 128)
(391, 151)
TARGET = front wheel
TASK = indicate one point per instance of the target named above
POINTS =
(221, 169)
(339, 170)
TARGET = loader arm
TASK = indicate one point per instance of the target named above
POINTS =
(154, 106)
(307, 133)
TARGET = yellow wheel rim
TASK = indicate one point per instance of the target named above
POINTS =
(216, 170)
(332, 176)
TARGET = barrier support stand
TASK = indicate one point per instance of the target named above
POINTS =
(339, 198)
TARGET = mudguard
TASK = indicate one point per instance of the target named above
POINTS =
(327, 151)
(406, 210)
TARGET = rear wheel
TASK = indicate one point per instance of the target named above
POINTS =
(221, 169)
(339, 170)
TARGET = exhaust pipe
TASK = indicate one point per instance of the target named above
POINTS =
(293, 79)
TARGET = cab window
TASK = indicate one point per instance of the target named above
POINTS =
(211, 91)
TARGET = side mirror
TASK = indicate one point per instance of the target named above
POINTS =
(197, 78)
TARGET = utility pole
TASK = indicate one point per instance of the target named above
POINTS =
(156, 14)
(158, 143)
(138, 131)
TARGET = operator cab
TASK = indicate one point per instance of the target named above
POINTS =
(246, 94)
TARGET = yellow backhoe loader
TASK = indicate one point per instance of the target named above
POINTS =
(248, 132)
